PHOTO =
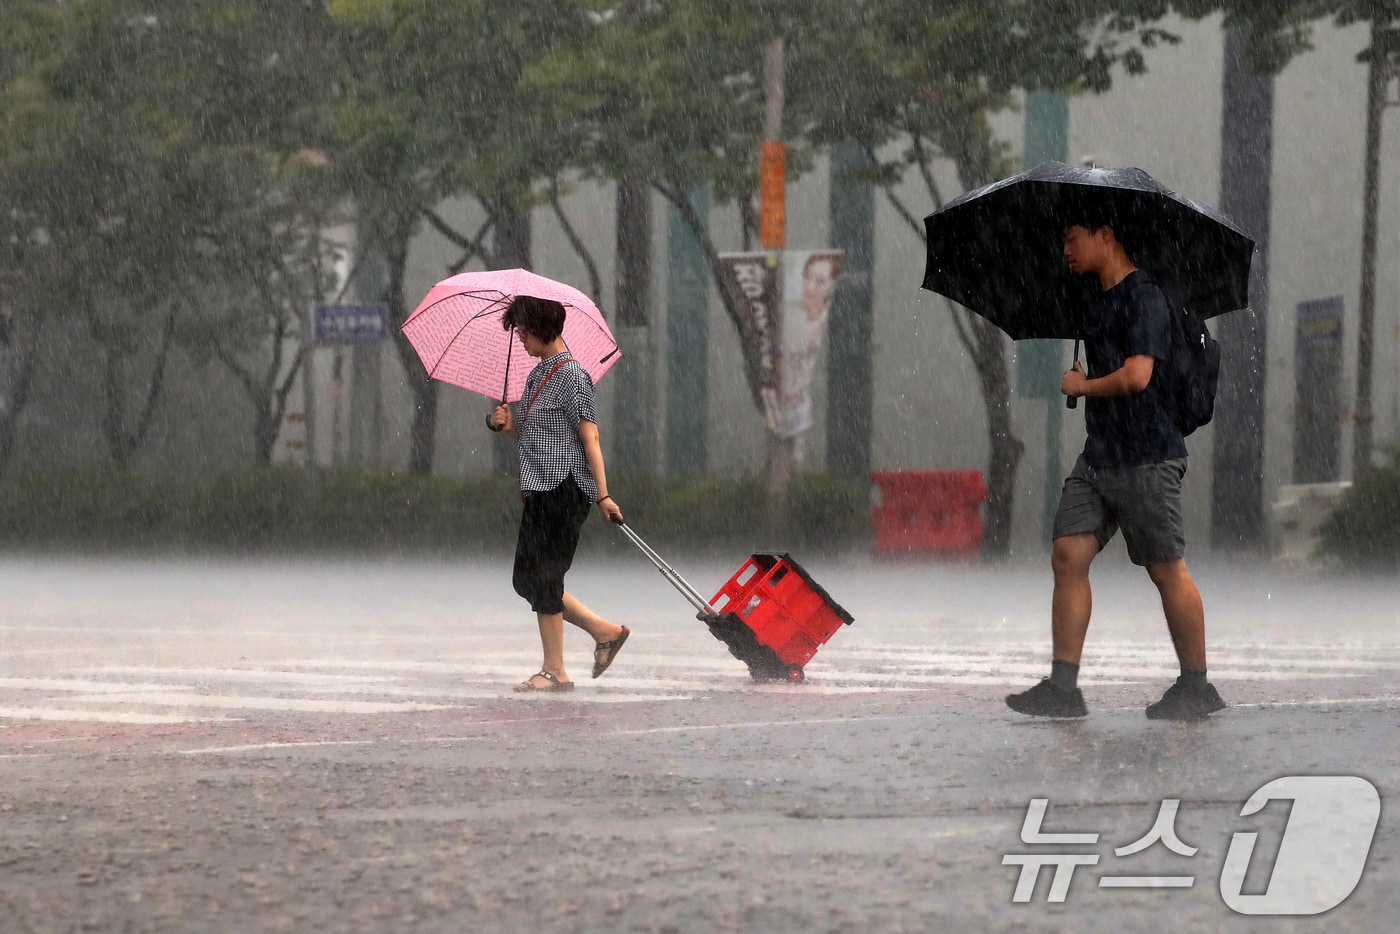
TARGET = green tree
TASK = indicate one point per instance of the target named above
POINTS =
(253, 81)
(112, 196)
(434, 104)
(673, 95)
(1278, 30)
(157, 173)
(916, 83)
(28, 33)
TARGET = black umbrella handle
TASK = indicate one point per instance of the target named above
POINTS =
(492, 414)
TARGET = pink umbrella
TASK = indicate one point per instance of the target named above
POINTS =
(457, 331)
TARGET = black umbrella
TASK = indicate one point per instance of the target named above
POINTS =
(998, 251)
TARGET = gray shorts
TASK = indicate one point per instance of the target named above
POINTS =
(1145, 502)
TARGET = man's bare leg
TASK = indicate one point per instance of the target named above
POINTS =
(1186, 618)
(1192, 697)
(1073, 599)
(1059, 695)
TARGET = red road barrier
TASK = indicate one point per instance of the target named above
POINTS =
(929, 512)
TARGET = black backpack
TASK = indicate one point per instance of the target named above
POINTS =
(1195, 367)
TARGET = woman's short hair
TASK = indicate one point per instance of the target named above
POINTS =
(542, 317)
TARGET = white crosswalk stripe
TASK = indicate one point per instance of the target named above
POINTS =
(153, 694)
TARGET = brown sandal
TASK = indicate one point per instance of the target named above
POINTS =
(611, 648)
(554, 685)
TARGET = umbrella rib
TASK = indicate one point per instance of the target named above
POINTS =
(432, 371)
(489, 309)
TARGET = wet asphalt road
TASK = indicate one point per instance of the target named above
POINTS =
(250, 746)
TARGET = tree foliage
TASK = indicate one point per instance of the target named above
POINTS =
(1280, 30)
(152, 170)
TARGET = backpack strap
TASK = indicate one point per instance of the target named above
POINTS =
(540, 388)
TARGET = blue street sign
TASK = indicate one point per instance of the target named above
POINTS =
(336, 324)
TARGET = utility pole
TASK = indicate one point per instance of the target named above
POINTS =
(1246, 174)
(1380, 72)
(849, 362)
(773, 236)
(687, 341)
(1041, 363)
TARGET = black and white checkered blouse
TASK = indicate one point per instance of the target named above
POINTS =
(550, 449)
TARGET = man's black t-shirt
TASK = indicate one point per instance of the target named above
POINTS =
(1129, 320)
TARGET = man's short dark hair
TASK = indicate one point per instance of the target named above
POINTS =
(541, 317)
(1094, 217)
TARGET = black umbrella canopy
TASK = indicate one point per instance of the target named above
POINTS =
(998, 249)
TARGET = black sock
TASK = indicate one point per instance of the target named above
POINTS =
(1064, 674)
(1193, 679)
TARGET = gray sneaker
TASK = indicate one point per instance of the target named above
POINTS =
(1185, 703)
(1048, 699)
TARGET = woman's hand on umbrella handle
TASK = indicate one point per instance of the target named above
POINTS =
(499, 420)
(611, 510)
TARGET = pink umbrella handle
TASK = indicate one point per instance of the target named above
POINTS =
(510, 348)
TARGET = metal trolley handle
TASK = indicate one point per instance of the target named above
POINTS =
(668, 572)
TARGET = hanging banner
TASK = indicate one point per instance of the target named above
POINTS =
(809, 279)
(757, 277)
(787, 299)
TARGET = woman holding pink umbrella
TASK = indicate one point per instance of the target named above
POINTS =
(465, 331)
(561, 476)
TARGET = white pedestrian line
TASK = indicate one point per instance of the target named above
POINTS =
(258, 746)
(1326, 701)
(461, 677)
(1386, 700)
(253, 702)
(99, 716)
(242, 674)
(82, 686)
(749, 725)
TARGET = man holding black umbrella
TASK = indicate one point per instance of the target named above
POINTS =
(1042, 255)
(1128, 477)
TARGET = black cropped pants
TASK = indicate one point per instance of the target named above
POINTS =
(544, 551)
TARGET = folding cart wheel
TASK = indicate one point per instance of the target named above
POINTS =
(795, 674)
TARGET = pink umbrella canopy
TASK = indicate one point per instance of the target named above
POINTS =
(457, 331)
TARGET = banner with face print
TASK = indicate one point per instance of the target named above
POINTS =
(809, 277)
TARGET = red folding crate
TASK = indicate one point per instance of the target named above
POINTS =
(771, 614)
(774, 617)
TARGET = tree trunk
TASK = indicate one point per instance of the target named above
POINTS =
(974, 152)
(422, 437)
(266, 426)
(781, 456)
(123, 437)
(1006, 448)
(633, 433)
(510, 249)
(18, 369)
(850, 363)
